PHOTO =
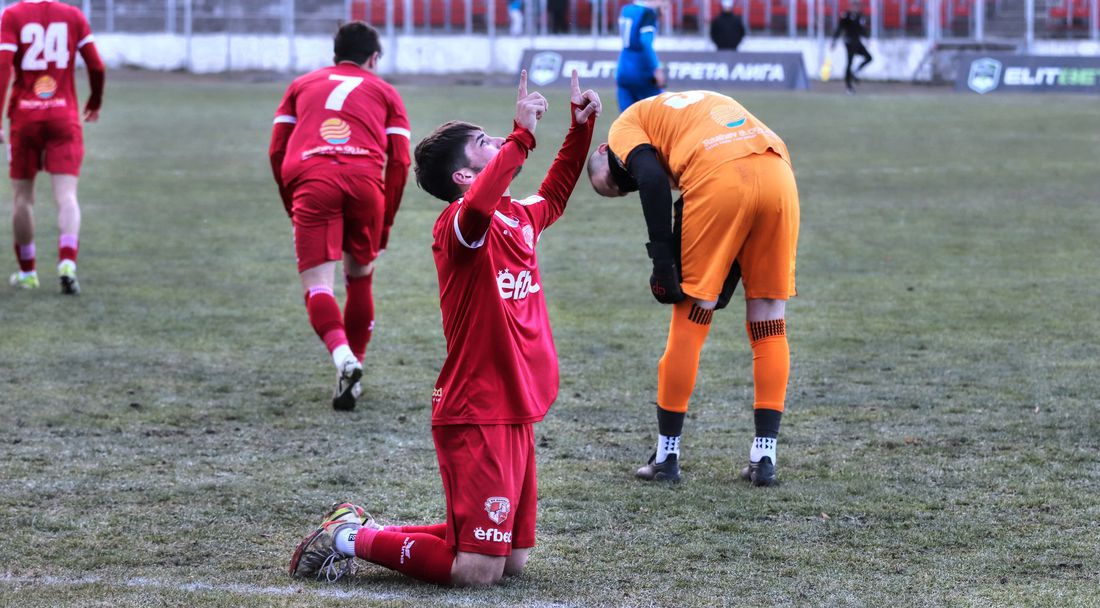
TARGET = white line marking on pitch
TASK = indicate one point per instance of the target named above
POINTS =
(240, 589)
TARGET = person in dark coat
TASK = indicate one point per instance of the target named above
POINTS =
(727, 30)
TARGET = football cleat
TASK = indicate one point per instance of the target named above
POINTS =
(348, 388)
(760, 473)
(669, 470)
(66, 272)
(316, 556)
(24, 281)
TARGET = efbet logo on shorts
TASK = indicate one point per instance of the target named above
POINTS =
(985, 75)
(515, 287)
(498, 507)
(492, 535)
(335, 131)
(45, 87)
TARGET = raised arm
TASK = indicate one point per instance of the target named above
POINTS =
(481, 200)
(568, 164)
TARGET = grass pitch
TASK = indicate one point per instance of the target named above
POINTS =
(167, 437)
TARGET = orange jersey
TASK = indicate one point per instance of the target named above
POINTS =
(694, 133)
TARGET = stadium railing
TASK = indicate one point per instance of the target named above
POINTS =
(932, 19)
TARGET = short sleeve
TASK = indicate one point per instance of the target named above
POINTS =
(286, 112)
(9, 37)
(627, 133)
(397, 121)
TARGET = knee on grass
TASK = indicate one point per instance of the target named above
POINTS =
(474, 570)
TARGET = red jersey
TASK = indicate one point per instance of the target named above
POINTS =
(45, 37)
(341, 112)
(501, 365)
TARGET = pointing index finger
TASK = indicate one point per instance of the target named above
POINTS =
(575, 84)
(522, 85)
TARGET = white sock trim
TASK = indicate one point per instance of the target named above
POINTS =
(761, 447)
(345, 540)
(339, 354)
(667, 444)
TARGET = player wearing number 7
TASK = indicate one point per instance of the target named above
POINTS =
(39, 40)
(340, 155)
(739, 214)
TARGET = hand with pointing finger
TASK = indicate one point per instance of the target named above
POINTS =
(586, 104)
(529, 106)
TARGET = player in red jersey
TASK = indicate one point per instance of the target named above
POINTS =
(340, 155)
(43, 37)
(501, 371)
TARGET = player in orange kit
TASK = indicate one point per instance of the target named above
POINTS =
(739, 219)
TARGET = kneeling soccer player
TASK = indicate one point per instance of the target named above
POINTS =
(500, 375)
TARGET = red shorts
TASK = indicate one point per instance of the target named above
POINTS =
(491, 487)
(337, 208)
(56, 146)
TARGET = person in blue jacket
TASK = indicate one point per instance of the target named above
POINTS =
(639, 74)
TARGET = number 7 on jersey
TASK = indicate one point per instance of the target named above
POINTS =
(340, 94)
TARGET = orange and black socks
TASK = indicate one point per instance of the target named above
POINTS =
(676, 373)
(771, 367)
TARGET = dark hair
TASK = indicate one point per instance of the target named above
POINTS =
(355, 41)
(439, 155)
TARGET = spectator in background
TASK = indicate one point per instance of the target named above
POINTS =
(727, 29)
(515, 17)
(556, 12)
(853, 25)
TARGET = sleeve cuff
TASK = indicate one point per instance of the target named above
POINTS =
(522, 136)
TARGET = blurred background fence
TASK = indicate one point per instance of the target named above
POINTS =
(931, 19)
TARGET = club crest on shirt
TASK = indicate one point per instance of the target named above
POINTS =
(529, 236)
(498, 507)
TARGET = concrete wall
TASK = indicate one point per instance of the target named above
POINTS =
(895, 59)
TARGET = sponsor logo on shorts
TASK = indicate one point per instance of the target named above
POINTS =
(406, 549)
(492, 535)
(335, 131)
(498, 507)
(516, 287)
(45, 87)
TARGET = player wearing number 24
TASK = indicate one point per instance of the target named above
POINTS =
(340, 155)
(43, 39)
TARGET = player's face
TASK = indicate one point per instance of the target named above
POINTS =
(481, 149)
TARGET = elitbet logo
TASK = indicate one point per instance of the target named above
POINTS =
(492, 535)
(516, 287)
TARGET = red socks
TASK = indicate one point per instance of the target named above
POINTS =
(425, 557)
(67, 247)
(324, 316)
(359, 314)
(25, 255)
(439, 530)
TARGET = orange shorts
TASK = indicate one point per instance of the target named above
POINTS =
(745, 210)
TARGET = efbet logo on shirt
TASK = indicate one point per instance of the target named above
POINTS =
(45, 87)
(516, 287)
(498, 507)
(335, 131)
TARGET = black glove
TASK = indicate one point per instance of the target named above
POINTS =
(665, 280)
